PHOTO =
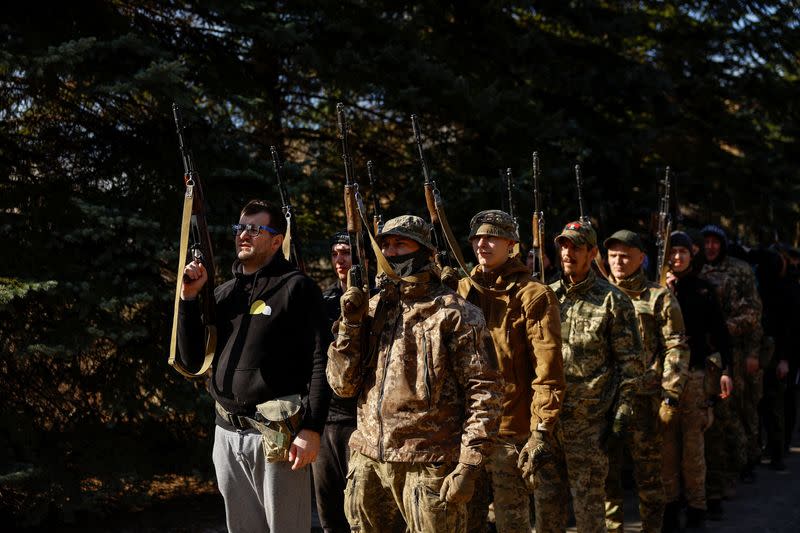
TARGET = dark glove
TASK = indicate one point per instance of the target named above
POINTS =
(450, 278)
(622, 418)
(354, 305)
(537, 452)
(459, 485)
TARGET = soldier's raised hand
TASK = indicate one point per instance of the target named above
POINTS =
(194, 277)
(354, 305)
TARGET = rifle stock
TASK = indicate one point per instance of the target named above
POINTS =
(537, 220)
(357, 275)
(195, 241)
(664, 230)
(585, 219)
(435, 206)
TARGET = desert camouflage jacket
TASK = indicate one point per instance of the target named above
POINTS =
(431, 389)
(666, 352)
(601, 347)
(735, 284)
(524, 321)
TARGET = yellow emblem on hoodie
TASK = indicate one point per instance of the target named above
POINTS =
(260, 307)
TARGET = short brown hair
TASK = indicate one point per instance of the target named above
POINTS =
(276, 219)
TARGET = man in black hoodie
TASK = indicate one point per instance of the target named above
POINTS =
(272, 342)
(330, 468)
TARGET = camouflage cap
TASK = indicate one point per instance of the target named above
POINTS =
(493, 222)
(626, 237)
(579, 233)
(408, 226)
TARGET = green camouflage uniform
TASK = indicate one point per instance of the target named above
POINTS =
(666, 363)
(602, 362)
(428, 399)
(735, 286)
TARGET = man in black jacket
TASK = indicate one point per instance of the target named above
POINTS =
(272, 342)
(330, 468)
(692, 434)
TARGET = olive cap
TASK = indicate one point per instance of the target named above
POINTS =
(579, 233)
(409, 226)
(626, 237)
(493, 222)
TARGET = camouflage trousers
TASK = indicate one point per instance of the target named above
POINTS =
(642, 439)
(511, 498)
(684, 446)
(382, 496)
(725, 454)
(579, 469)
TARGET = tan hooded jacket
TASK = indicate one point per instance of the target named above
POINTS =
(523, 318)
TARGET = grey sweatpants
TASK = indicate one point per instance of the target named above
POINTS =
(259, 496)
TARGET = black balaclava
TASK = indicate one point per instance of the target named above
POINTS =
(407, 264)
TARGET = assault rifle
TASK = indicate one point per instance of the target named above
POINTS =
(377, 217)
(433, 200)
(510, 189)
(537, 221)
(195, 245)
(579, 182)
(291, 246)
(663, 231)
(584, 219)
(352, 208)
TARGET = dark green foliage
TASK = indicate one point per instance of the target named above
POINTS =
(91, 185)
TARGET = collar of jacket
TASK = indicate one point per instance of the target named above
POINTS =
(512, 271)
(278, 265)
(575, 289)
(633, 285)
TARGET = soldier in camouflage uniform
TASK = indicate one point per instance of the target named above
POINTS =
(524, 320)
(421, 362)
(734, 283)
(602, 364)
(666, 363)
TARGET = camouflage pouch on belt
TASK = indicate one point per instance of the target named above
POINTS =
(281, 422)
(713, 373)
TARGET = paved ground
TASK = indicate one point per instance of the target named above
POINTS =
(771, 505)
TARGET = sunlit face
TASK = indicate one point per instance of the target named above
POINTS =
(491, 252)
(254, 252)
(393, 245)
(712, 246)
(624, 260)
(680, 258)
(342, 260)
(576, 261)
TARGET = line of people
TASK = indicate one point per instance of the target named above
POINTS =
(435, 402)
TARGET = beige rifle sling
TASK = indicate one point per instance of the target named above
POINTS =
(211, 330)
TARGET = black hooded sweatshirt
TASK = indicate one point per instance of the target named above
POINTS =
(272, 341)
(702, 317)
